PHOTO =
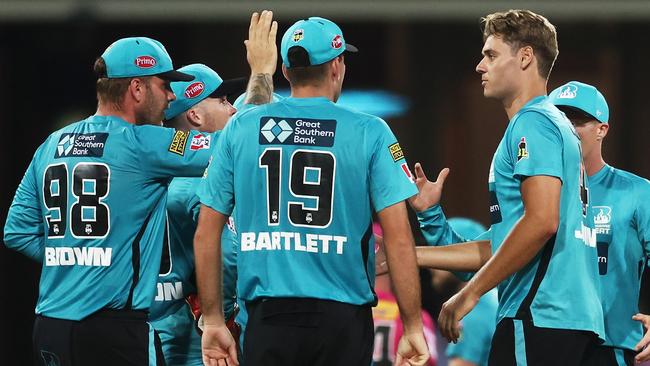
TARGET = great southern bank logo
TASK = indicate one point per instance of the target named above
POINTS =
(276, 130)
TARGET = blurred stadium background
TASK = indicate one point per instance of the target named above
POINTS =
(415, 68)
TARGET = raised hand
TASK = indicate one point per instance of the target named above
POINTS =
(261, 48)
(429, 193)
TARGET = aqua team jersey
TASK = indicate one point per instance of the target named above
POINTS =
(170, 314)
(91, 207)
(620, 203)
(306, 176)
(476, 332)
(558, 288)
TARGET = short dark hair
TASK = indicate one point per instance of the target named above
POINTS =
(305, 74)
(109, 90)
(520, 28)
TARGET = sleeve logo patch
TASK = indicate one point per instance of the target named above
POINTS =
(522, 150)
(178, 143)
(396, 152)
(81, 144)
(407, 172)
(199, 142)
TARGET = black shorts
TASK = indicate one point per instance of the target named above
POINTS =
(108, 337)
(519, 342)
(611, 356)
(307, 332)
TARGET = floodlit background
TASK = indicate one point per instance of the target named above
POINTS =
(415, 68)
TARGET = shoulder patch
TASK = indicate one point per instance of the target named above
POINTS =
(522, 149)
(179, 140)
(396, 151)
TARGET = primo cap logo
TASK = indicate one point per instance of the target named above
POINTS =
(569, 92)
(276, 130)
(145, 62)
(194, 90)
(337, 42)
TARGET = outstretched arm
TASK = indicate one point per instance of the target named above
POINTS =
(262, 55)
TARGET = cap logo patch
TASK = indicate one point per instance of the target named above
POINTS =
(194, 90)
(569, 92)
(298, 35)
(337, 42)
(145, 62)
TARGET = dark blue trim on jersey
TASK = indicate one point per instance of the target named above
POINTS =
(135, 261)
(545, 259)
(365, 247)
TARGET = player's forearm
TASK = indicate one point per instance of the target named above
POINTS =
(400, 255)
(260, 89)
(523, 243)
(207, 257)
(470, 256)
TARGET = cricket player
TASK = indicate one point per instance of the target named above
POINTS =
(620, 204)
(91, 208)
(306, 175)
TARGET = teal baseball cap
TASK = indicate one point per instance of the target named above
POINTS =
(205, 83)
(583, 97)
(140, 56)
(321, 38)
(467, 228)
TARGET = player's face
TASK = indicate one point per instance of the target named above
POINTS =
(589, 135)
(217, 113)
(158, 96)
(499, 68)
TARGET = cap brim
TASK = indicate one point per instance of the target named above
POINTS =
(174, 75)
(351, 48)
(230, 87)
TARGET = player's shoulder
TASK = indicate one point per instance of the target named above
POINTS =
(641, 184)
(542, 117)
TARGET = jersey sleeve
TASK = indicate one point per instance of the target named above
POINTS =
(24, 231)
(435, 228)
(391, 180)
(535, 146)
(166, 152)
(642, 217)
(216, 189)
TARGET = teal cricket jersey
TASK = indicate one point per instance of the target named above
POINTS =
(91, 207)
(306, 175)
(170, 314)
(620, 203)
(558, 288)
(477, 328)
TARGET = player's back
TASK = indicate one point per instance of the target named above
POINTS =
(101, 186)
(557, 288)
(307, 175)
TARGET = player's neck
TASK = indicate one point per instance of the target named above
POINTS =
(106, 110)
(312, 92)
(594, 162)
(525, 94)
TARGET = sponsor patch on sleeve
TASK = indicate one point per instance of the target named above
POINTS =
(200, 141)
(179, 140)
(522, 150)
(407, 172)
(396, 151)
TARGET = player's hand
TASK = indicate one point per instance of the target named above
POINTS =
(429, 192)
(381, 265)
(217, 346)
(641, 347)
(261, 49)
(412, 349)
(453, 310)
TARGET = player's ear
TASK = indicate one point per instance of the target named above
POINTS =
(137, 89)
(193, 117)
(526, 57)
(336, 69)
(284, 73)
(603, 128)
